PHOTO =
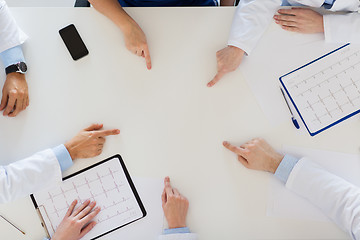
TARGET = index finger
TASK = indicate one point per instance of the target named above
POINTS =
(104, 133)
(217, 78)
(233, 148)
(71, 208)
(10, 105)
(147, 57)
(289, 11)
(168, 188)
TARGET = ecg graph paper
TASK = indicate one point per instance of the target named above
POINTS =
(328, 89)
(106, 184)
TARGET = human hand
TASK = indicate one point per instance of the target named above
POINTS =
(89, 142)
(136, 43)
(228, 60)
(175, 206)
(76, 223)
(300, 20)
(257, 154)
(15, 96)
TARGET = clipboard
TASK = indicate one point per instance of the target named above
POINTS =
(323, 76)
(113, 177)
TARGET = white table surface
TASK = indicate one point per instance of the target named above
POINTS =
(171, 123)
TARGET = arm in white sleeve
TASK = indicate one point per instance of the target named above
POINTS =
(10, 34)
(251, 19)
(29, 175)
(337, 198)
(342, 28)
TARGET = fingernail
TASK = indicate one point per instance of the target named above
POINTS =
(117, 131)
(225, 143)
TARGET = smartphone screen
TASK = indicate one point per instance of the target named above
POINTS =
(73, 42)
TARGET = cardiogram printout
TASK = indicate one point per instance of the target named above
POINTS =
(108, 183)
(327, 90)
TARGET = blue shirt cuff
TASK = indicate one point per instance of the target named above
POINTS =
(176, 230)
(12, 55)
(63, 156)
(285, 167)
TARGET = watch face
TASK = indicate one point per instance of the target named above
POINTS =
(22, 66)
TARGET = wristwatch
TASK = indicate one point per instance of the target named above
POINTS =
(19, 67)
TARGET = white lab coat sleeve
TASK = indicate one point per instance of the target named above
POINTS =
(342, 28)
(29, 175)
(251, 19)
(10, 34)
(337, 198)
(178, 236)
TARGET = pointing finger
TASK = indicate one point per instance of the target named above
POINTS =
(233, 148)
(217, 78)
(104, 133)
(147, 57)
(168, 188)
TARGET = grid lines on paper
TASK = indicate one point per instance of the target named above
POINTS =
(107, 185)
(328, 89)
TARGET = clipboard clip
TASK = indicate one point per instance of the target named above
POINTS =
(39, 210)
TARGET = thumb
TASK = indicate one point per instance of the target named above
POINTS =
(94, 126)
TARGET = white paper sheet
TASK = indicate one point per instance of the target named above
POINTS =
(285, 204)
(328, 89)
(151, 226)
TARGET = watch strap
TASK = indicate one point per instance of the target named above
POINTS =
(12, 68)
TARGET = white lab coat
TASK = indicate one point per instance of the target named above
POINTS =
(337, 198)
(29, 175)
(252, 18)
(10, 34)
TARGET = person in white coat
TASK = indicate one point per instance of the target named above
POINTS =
(15, 95)
(43, 169)
(252, 18)
(337, 198)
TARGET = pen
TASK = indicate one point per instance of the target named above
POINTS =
(12, 225)
(296, 124)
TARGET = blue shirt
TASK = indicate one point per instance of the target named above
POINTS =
(63, 157)
(285, 167)
(327, 3)
(12, 56)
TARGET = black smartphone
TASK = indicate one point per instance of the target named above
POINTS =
(73, 42)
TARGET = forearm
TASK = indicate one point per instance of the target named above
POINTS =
(251, 19)
(337, 198)
(113, 10)
(33, 173)
(10, 34)
(21, 178)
